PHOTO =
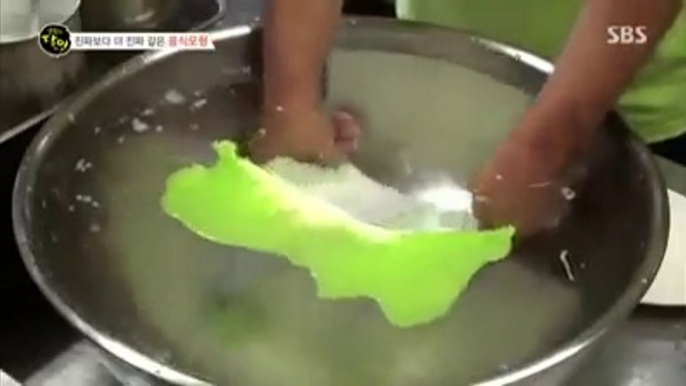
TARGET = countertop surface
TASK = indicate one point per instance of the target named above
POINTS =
(674, 175)
(37, 347)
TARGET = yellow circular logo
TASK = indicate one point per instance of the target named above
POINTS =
(55, 39)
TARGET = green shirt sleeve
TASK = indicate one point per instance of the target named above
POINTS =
(654, 105)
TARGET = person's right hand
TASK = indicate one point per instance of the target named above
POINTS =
(526, 182)
(520, 186)
(307, 136)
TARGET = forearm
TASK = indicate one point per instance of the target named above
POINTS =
(297, 38)
(590, 75)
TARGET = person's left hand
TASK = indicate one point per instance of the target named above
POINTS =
(523, 184)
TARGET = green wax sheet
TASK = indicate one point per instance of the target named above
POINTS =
(414, 276)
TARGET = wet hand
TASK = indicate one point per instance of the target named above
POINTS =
(308, 136)
(525, 183)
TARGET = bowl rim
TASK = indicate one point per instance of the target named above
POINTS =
(28, 170)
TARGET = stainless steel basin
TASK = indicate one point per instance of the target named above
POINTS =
(436, 103)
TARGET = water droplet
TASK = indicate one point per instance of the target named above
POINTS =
(174, 97)
(200, 103)
(82, 165)
(481, 198)
(499, 177)
(120, 140)
(97, 130)
(148, 112)
(84, 198)
(71, 118)
(280, 109)
(94, 228)
(139, 126)
(159, 128)
(564, 258)
(194, 126)
(568, 193)
(539, 185)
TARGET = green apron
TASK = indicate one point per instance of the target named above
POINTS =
(655, 104)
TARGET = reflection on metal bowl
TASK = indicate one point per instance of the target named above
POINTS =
(437, 102)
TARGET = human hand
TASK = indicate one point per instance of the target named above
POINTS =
(526, 183)
(308, 136)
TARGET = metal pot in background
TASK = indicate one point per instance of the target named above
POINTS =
(30, 80)
(128, 15)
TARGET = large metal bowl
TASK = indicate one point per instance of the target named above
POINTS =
(92, 233)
